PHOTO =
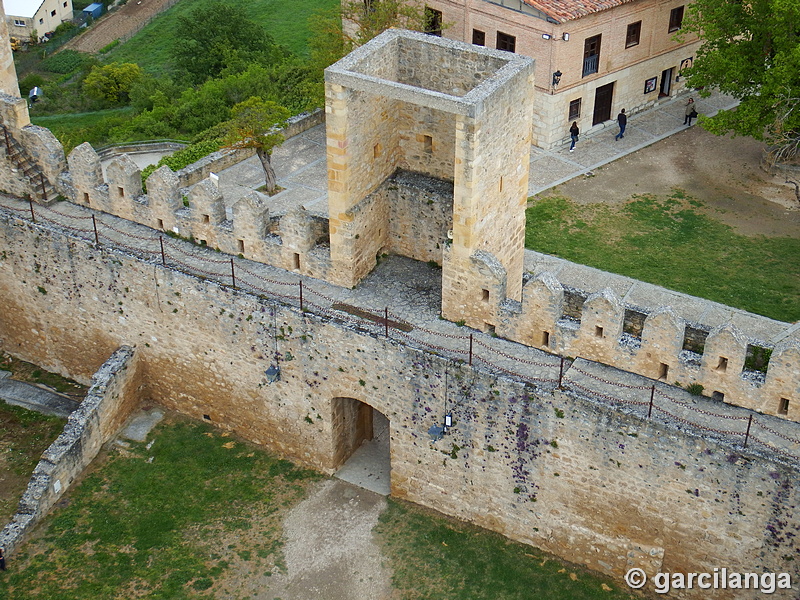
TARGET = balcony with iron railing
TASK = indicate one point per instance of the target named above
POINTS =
(591, 65)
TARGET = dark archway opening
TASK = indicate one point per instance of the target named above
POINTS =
(361, 445)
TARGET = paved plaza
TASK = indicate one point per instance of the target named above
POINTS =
(300, 163)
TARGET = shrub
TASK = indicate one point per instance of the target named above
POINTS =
(27, 83)
(109, 47)
(695, 389)
(183, 158)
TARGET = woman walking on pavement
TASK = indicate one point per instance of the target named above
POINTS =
(573, 133)
(689, 112)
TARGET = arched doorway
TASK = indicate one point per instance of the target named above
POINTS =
(361, 444)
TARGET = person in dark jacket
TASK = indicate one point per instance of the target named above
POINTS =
(622, 121)
(573, 133)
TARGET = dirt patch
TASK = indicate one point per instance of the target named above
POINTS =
(121, 24)
(329, 548)
(723, 172)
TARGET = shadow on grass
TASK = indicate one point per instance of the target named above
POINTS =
(434, 557)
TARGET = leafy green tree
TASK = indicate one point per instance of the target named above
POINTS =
(255, 123)
(355, 22)
(337, 32)
(112, 83)
(218, 37)
(751, 50)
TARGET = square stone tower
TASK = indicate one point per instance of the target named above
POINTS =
(445, 109)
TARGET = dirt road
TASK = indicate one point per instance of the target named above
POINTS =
(723, 172)
(120, 24)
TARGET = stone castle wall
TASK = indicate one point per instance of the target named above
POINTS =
(585, 481)
(660, 343)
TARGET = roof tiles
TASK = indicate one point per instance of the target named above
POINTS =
(569, 10)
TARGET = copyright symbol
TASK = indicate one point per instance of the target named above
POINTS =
(635, 578)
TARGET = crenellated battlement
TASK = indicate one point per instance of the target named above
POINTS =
(410, 207)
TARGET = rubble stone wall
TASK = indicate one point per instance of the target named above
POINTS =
(115, 392)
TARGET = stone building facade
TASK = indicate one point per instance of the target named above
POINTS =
(25, 17)
(592, 58)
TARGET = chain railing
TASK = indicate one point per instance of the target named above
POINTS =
(471, 349)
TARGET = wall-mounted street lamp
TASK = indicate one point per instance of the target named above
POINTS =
(436, 433)
(557, 78)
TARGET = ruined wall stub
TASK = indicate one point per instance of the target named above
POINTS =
(449, 110)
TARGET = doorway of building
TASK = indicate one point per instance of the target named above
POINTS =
(602, 103)
(666, 82)
(362, 446)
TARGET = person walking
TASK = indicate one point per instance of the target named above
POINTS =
(689, 112)
(622, 121)
(573, 133)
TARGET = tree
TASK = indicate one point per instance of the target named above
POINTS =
(255, 124)
(355, 22)
(751, 50)
(217, 37)
(112, 82)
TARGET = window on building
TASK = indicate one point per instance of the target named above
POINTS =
(433, 21)
(478, 37)
(675, 19)
(65, 5)
(575, 110)
(52, 13)
(19, 22)
(41, 21)
(591, 55)
(634, 32)
(506, 42)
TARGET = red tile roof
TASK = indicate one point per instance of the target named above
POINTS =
(569, 10)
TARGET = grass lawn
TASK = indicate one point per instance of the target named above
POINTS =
(160, 522)
(285, 20)
(672, 242)
(436, 558)
(24, 435)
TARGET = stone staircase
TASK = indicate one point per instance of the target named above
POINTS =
(42, 191)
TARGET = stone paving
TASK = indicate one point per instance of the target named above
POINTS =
(34, 397)
(300, 163)
(597, 148)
